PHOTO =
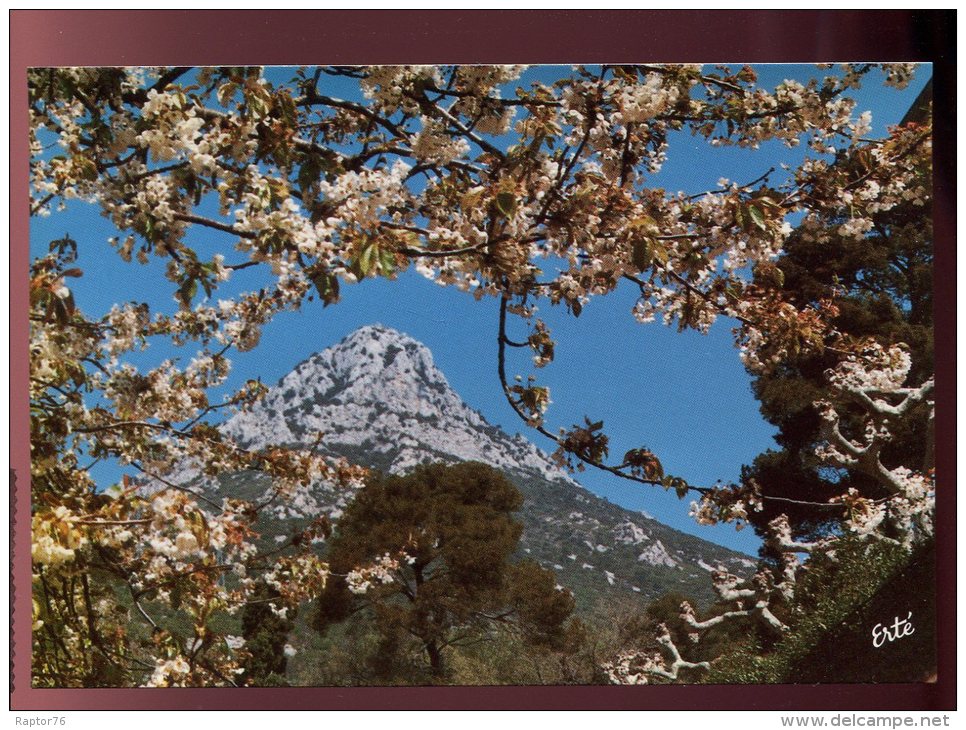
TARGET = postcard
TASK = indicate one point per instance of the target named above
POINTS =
(482, 381)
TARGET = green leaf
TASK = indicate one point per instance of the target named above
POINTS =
(86, 167)
(506, 203)
(387, 262)
(643, 253)
(308, 173)
(367, 257)
(680, 486)
(766, 201)
(756, 217)
(64, 246)
(327, 285)
(770, 274)
(287, 106)
(187, 291)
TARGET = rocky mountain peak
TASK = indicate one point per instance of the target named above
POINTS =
(378, 395)
(373, 355)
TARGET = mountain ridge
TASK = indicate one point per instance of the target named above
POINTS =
(404, 409)
(378, 400)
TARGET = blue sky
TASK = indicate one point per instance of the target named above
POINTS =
(685, 396)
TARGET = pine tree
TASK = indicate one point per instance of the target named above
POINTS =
(881, 285)
(266, 632)
(451, 535)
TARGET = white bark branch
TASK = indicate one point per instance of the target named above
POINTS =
(726, 586)
(678, 663)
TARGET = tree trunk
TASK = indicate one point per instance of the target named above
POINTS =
(435, 657)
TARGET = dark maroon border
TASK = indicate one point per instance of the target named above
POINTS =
(64, 38)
